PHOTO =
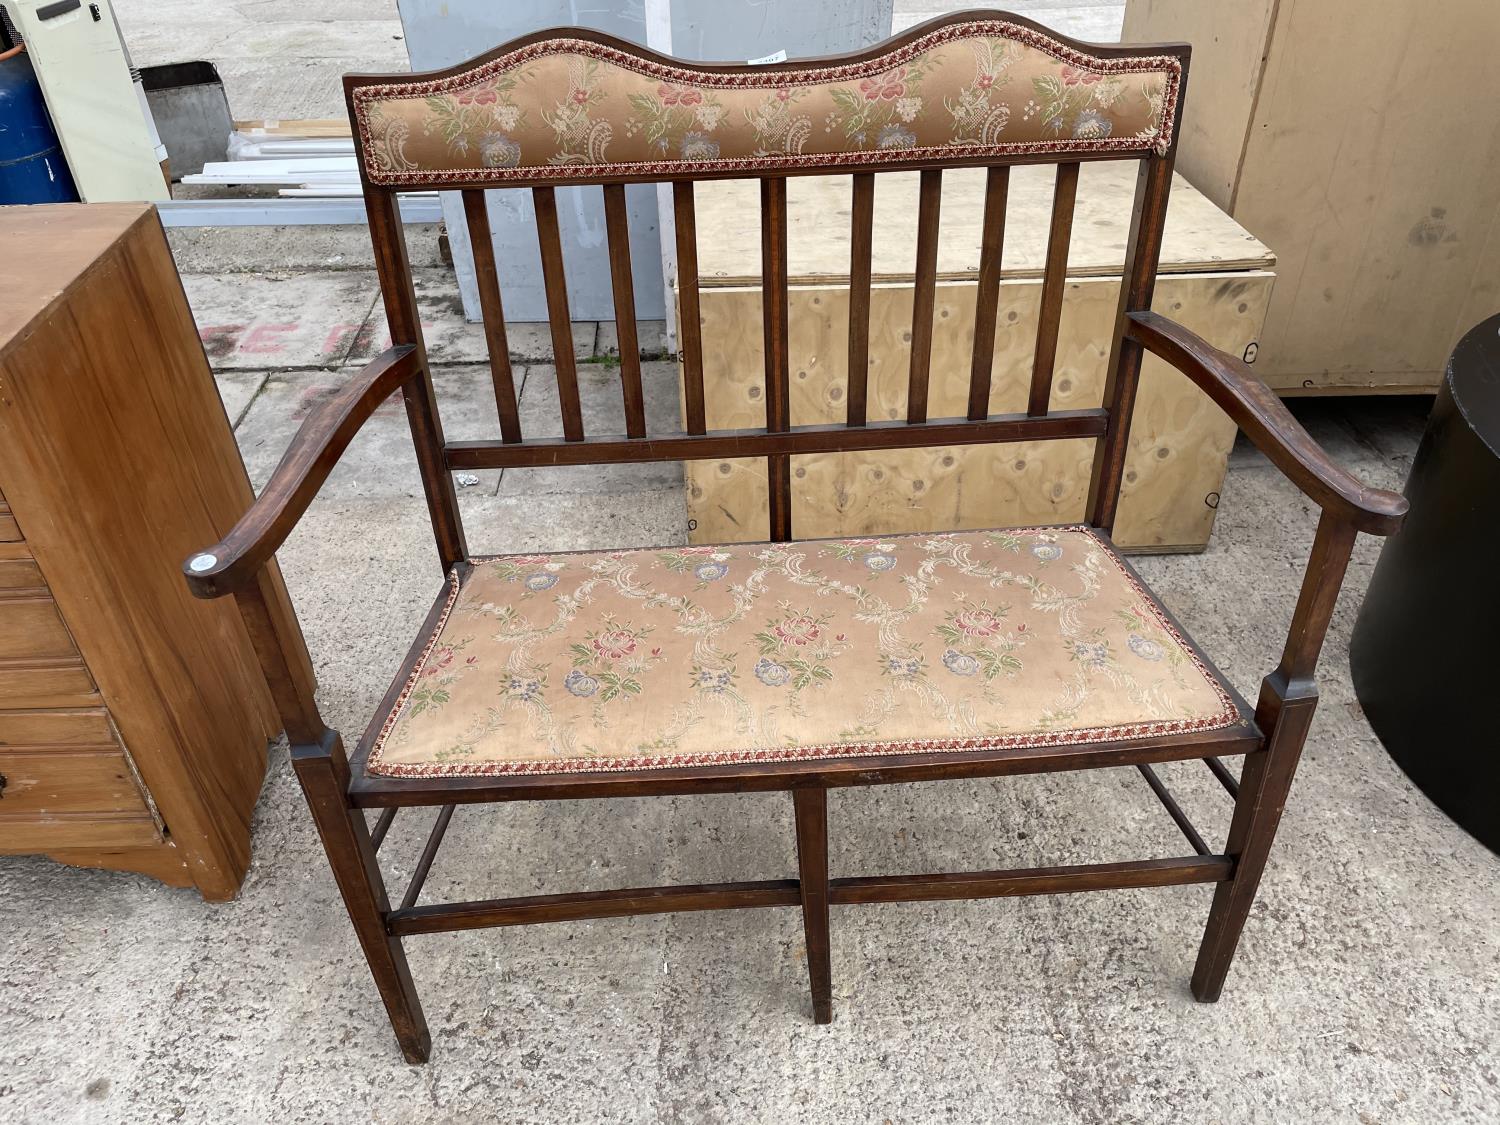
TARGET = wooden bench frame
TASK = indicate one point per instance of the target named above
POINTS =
(339, 790)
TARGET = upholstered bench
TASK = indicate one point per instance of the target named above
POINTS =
(792, 652)
(784, 665)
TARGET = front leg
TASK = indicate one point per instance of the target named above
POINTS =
(1264, 784)
(1284, 712)
(351, 855)
(323, 769)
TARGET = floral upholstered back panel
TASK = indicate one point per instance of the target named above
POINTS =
(573, 108)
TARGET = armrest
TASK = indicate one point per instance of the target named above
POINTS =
(235, 559)
(1265, 419)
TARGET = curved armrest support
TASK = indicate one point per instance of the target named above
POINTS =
(1257, 410)
(232, 562)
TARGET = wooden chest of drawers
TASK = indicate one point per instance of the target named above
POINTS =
(133, 718)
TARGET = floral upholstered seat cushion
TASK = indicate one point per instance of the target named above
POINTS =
(792, 651)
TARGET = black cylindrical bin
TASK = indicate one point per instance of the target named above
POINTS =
(1426, 647)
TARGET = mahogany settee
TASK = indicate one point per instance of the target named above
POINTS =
(784, 665)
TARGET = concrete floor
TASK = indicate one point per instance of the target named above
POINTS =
(1367, 988)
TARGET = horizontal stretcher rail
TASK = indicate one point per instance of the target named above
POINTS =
(1032, 881)
(785, 892)
(828, 438)
(591, 904)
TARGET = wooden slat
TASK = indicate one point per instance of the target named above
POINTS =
(924, 294)
(429, 853)
(388, 237)
(1230, 783)
(824, 438)
(490, 304)
(559, 319)
(1174, 810)
(861, 252)
(1053, 285)
(1032, 881)
(592, 904)
(774, 325)
(689, 323)
(1202, 239)
(1148, 218)
(382, 826)
(986, 309)
(617, 229)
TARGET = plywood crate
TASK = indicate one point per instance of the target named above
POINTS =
(1215, 278)
(1360, 141)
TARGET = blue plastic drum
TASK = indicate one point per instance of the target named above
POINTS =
(32, 168)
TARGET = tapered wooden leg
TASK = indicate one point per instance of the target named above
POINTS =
(323, 769)
(1264, 784)
(1284, 712)
(346, 838)
(811, 806)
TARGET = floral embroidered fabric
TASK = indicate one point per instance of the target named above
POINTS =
(575, 108)
(793, 651)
